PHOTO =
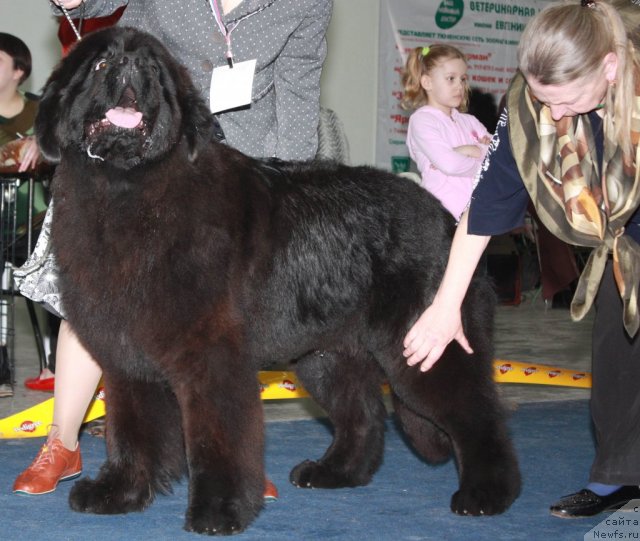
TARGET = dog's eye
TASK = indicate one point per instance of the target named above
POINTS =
(102, 63)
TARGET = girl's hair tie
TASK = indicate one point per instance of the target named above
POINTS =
(588, 3)
(425, 51)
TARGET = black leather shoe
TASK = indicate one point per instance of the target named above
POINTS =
(587, 503)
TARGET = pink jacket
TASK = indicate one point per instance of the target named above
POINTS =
(447, 174)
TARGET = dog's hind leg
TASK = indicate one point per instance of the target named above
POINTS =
(223, 426)
(145, 452)
(426, 438)
(349, 390)
(458, 396)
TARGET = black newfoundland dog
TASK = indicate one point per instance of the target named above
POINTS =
(187, 267)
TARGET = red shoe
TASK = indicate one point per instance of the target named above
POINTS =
(270, 491)
(53, 463)
(40, 383)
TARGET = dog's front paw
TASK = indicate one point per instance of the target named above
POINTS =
(222, 517)
(485, 499)
(105, 496)
(311, 474)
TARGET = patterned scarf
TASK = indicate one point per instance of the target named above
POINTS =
(577, 203)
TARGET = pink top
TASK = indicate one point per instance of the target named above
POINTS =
(447, 174)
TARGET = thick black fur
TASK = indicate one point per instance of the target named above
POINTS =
(187, 266)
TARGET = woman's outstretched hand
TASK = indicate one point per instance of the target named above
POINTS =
(441, 322)
(435, 329)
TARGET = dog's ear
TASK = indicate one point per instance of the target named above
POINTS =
(198, 127)
(198, 122)
(48, 120)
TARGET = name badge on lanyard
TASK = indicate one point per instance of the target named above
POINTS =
(231, 85)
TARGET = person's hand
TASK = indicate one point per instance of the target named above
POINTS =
(30, 153)
(485, 140)
(67, 4)
(427, 339)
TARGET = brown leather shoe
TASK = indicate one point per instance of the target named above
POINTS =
(53, 463)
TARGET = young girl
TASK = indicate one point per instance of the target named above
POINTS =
(447, 145)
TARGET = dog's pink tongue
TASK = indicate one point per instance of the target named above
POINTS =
(124, 117)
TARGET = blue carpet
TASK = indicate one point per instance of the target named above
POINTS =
(407, 500)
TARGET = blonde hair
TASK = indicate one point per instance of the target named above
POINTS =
(568, 41)
(420, 62)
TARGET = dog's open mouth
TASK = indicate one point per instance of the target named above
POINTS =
(125, 115)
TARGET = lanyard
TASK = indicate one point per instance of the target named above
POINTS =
(226, 30)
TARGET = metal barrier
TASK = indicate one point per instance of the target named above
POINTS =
(16, 243)
(8, 228)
